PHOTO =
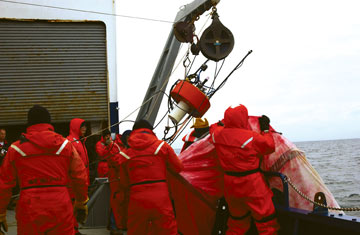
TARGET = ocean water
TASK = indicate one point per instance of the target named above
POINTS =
(338, 163)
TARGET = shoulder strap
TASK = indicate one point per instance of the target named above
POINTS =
(124, 155)
(62, 147)
(117, 146)
(213, 138)
(17, 149)
(246, 142)
(155, 153)
(159, 147)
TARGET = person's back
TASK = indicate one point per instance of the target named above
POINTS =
(239, 150)
(150, 202)
(44, 164)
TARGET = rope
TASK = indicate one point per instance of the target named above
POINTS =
(86, 11)
(287, 179)
(115, 124)
(187, 119)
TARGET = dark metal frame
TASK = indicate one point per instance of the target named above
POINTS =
(159, 81)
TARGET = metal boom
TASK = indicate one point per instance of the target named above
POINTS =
(159, 81)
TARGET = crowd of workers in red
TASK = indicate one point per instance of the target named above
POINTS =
(53, 175)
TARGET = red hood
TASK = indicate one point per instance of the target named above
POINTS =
(43, 135)
(75, 127)
(236, 117)
(141, 138)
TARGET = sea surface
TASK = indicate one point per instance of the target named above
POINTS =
(338, 163)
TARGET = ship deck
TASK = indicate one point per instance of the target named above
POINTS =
(10, 217)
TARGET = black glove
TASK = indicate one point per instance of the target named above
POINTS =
(107, 142)
(264, 122)
(81, 211)
(81, 215)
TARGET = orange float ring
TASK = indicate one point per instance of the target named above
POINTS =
(197, 101)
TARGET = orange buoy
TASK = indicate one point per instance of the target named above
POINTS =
(190, 99)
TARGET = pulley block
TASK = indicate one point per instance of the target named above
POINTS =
(184, 31)
(217, 41)
(195, 48)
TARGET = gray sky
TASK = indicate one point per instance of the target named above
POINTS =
(303, 73)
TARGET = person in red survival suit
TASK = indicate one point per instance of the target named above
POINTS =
(150, 209)
(76, 136)
(43, 163)
(239, 150)
(101, 150)
(4, 145)
(124, 139)
(112, 153)
(201, 129)
(121, 140)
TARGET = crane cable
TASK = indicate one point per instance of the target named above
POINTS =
(178, 64)
(115, 124)
(86, 11)
(118, 15)
(145, 102)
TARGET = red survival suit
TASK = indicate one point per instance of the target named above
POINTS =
(103, 167)
(150, 208)
(188, 140)
(119, 193)
(79, 145)
(44, 163)
(3, 148)
(201, 128)
(74, 137)
(118, 141)
(239, 150)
